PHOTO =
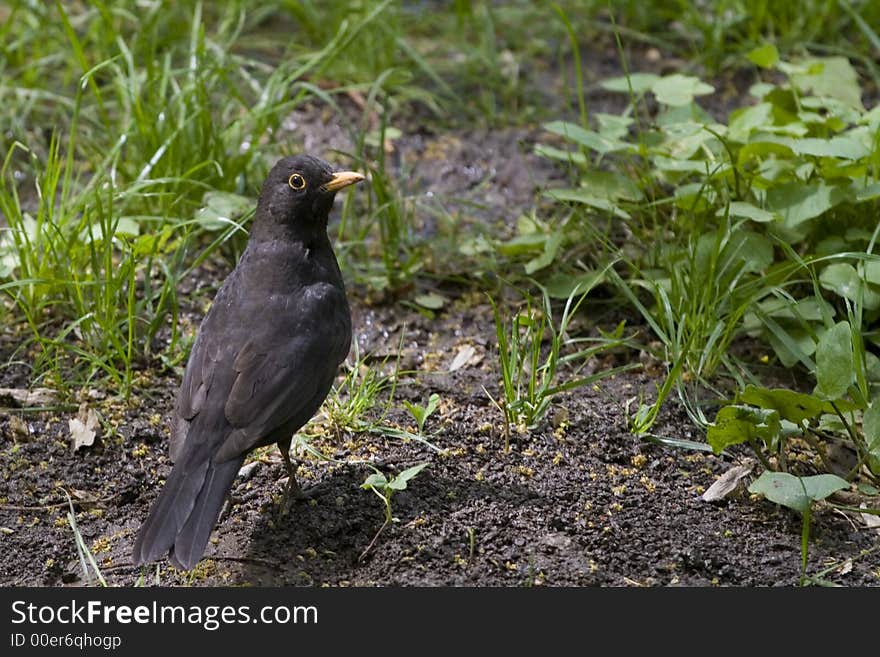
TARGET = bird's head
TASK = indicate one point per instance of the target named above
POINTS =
(299, 192)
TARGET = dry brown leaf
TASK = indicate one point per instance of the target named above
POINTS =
(18, 428)
(32, 397)
(467, 355)
(726, 483)
(83, 427)
(872, 521)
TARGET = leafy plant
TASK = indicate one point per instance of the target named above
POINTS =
(350, 404)
(385, 488)
(530, 378)
(839, 408)
(422, 413)
(712, 207)
(798, 493)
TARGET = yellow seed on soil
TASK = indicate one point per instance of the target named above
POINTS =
(639, 460)
(619, 490)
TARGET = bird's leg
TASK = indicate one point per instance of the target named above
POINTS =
(293, 489)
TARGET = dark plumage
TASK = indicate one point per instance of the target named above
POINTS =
(263, 361)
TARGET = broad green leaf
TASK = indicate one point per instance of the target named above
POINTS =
(831, 423)
(872, 271)
(673, 164)
(765, 56)
(792, 345)
(433, 402)
(419, 414)
(761, 89)
(871, 429)
(796, 493)
(830, 76)
(431, 300)
(871, 426)
(677, 89)
(689, 113)
(728, 431)
(587, 138)
(521, 244)
(793, 406)
(810, 309)
(695, 197)
(843, 279)
(551, 246)
(835, 367)
(579, 196)
(755, 251)
(613, 126)
(797, 203)
(744, 121)
(399, 482)
(833, 114)
(638, 82)
(747, 211)
(554, 153)
(219, 209)
(762, 147)
(865, 192)
(842, 147)
(684, 140)
(375, 480)
(610, 185)
(562, 286)
(736, 424)
(127, 226)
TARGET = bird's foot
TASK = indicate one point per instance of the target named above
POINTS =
(293, 492)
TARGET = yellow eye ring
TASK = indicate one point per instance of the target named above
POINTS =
(297, 182)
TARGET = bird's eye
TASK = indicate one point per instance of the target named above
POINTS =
(296, 182)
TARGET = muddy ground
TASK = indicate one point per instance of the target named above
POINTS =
(577, 501)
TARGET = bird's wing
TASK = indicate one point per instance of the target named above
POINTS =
(272, 373)
(198, 379)
(277, 372)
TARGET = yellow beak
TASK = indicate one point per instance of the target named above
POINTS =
(342, 179)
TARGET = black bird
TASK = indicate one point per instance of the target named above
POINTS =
(263, 361)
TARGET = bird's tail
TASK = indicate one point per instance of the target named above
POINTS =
(182, 517)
